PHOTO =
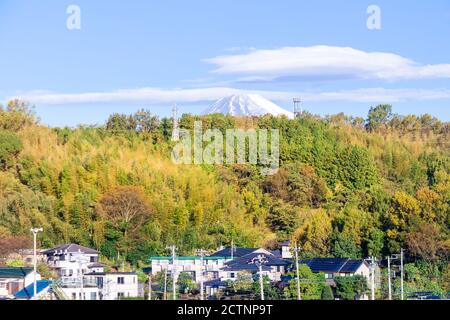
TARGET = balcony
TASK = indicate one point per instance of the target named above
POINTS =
(74, 282)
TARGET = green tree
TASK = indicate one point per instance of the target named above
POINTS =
(327, 293)
(351, 288)
(379, 116)
(10, 147)
(185, 282)
(311, 284)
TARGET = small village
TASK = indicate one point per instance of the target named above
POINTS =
(230, 273)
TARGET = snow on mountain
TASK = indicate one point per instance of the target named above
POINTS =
(247, 105)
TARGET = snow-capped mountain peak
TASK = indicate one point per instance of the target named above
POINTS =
(247, 105)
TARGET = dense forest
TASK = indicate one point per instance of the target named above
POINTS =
(347, 187)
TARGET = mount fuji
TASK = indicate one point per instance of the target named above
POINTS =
(247, 105)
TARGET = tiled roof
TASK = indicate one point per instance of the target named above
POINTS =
(13, 272)
(71, 248)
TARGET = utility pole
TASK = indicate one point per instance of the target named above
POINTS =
(165, 284)
(389, 278)
(174, 271)
(232, 249)
(35, 231)
(201, 252)
(299, 296)
(391, 258)
(372, 276)
(401, 274)
(259, 261)
(150, 286)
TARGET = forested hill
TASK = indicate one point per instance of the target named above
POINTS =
(347, 187)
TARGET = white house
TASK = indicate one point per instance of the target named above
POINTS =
(192, 265)
(71, 260)
(13, 280)
(82, 277)
(102, 286)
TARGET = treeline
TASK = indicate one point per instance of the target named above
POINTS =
(347, 187)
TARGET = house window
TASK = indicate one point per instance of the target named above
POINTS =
(120, 295)
(120, 280)
(328, 276)
(74, 296)
(93, 296)
(232, 275)
(93, 259)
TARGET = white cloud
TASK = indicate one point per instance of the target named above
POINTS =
(157, 96)
(326, 62)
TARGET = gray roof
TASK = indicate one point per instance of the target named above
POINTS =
(97, 265)
(246, 262)
(70, 248)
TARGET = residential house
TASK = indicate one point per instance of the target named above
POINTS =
(211, 266)
(82, 277)
(71, 260)
(13, 279)
(273, 267)
(193, 265)
(338, 267)
(102, 286)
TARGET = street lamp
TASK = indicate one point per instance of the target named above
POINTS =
(259, 261)
(173, 248)
(35, 231)
(372, 264)
(297, 249)
(201, 252)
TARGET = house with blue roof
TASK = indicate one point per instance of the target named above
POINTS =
(43, 291)
(338, 267)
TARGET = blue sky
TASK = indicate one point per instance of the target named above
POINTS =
(151, 54)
